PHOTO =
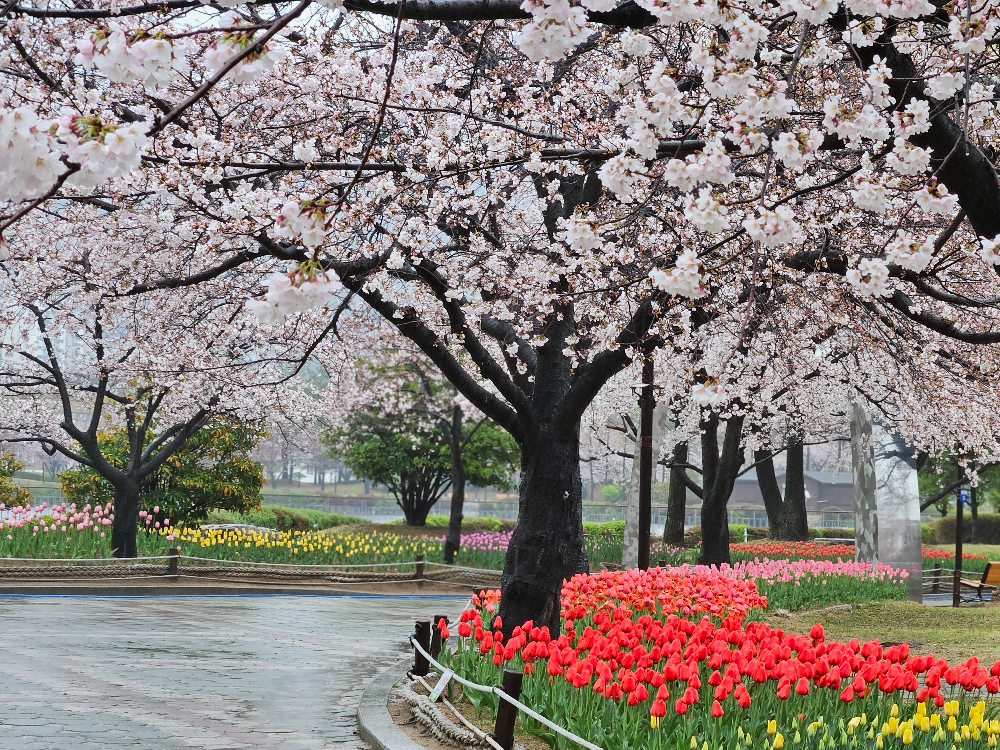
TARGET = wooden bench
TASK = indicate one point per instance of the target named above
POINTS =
(988, 583)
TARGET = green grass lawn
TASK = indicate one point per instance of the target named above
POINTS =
(953, 634)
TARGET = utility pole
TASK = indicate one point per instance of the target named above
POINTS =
(960, 500)
(647, 402)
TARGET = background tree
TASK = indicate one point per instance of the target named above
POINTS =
(411, 456)
(213, 469)
(12, 494)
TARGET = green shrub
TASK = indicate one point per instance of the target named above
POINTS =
(927, 534)
(609, 528)
(218, 516)
(987, 529)
(831, 533)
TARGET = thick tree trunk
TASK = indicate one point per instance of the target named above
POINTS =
(720, 469)
(126, 522)
(795, 523)
(714, 528)
(547, 546)
(786, 517)
(453, 540)
(774, 505)
(673, 528)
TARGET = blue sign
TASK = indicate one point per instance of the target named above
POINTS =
(963, 495)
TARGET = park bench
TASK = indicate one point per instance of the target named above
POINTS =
(988, 583)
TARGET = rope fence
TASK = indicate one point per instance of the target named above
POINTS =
(176, 566)
(503, 733)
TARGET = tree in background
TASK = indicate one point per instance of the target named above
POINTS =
(410, 455)
(786, 515)
(213, 469)
(12, 494)
(941, 476)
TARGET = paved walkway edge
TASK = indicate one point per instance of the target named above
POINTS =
(375, 725)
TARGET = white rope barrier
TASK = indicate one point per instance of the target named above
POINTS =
(513, 701)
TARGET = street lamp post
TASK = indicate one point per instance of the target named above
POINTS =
(646, 403)
(960, 501)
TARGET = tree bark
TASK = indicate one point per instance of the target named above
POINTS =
(795, 524)
(673, 528)
(786, 517)
(124, 528)
(720, 469)
(453, 540)
(547, 546)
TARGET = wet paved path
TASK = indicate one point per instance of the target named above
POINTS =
(282, 673)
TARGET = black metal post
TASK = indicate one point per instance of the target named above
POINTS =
(422, 631)
(956, 592)
(646, 403)
(503, 730)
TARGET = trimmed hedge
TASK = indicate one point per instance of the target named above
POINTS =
(469, 524)
(283, 519)
(987, 529)
(610, 528)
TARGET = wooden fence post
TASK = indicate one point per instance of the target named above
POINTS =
(421, 666)
(418, 574)
(937, 578)
(503, 730)
(172, 562)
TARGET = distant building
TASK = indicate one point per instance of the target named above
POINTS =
(829, 499)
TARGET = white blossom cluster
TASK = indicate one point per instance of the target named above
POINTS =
(231, 44)
(909, 252)
(708, 394)
(148, 60)
(869, 277)
(772, 227)
(102, 151)
(28, 165)
(556, 29)
(304, 221)
(684, 280)
(293, 292)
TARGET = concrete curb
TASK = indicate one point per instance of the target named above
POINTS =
(375, 725)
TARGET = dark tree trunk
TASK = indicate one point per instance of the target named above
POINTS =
(719, 469)
(673, 528)
(796, 525)
(126, 522)
(547, 546)
(786, 517)
(453, 540)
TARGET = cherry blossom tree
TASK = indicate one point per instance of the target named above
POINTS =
(784, 202)
(82, 357)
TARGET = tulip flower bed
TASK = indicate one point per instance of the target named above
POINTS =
(678, 658)
(808, 584)
(946, 559)
(791, 550)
